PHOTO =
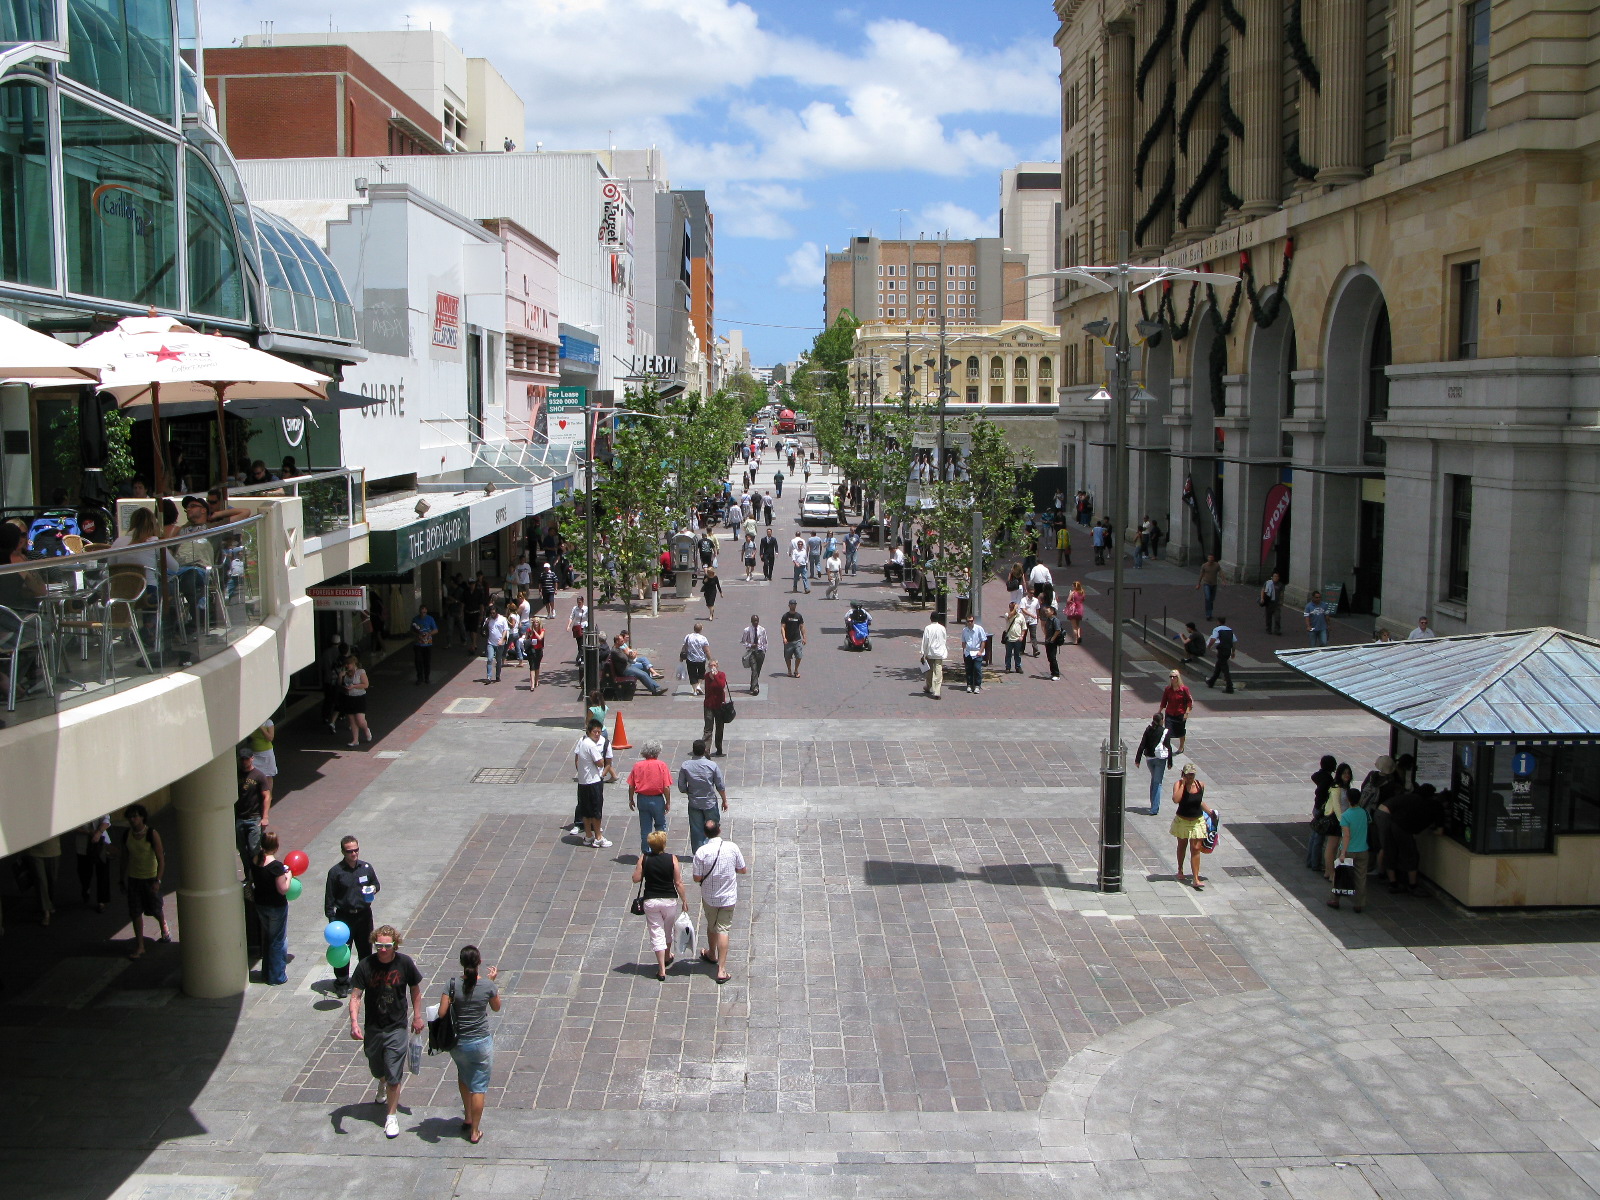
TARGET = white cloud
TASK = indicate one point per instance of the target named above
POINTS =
(805, 271)
(754, 209)
(959, 222)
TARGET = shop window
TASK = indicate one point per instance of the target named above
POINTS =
(1459, 495)
(1044, 394)
(1515, 808)
(27, 229)
(120, 199)
(1020, 393)
(216, 276)
(124, 49)
(1475, 72)
(997, 395)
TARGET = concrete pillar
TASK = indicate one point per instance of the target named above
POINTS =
(1256, 84)
(1195, 54)
(1402, 33)
(1121, 138)
(1341, 53)
(210, 903)
(1156, 104)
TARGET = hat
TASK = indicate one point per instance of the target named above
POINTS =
(246, 752)
(1385, 764)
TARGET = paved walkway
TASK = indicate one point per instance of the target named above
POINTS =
(930, 998)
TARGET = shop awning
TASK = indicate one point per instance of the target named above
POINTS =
(402, 538)
(1523, 684)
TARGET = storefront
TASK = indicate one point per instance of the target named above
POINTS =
(1506, 727)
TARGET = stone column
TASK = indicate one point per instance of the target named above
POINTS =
(210, 903)
(1195, 55)
(1309, 105)
(1156, 104)
(1256, 84)
(1402, 35)
(1121, 139)
(1341, 53)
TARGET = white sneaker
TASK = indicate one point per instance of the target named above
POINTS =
(575, 830)
(391, 1127)
(603, 844)
(588, 841)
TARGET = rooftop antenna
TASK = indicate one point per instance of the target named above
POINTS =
(900, 229)
(408, 22)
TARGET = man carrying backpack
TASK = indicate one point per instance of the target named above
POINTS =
(1223, 639)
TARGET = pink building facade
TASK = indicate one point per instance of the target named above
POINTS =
(533, 341)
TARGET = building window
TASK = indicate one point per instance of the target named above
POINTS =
(122, 238)
(1460, 495)
(124, 49)
(1045, 368)
(1021, 368)
(974, 369)
(997, 395)
(972, 395)
(1475, 73)
(1044, 394)
(1466, 338)
(880, 310)
(1022, 393)
(27, 229)
(997, 368)
(216, 277)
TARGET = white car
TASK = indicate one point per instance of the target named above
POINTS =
(818, 506)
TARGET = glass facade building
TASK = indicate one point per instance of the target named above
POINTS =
(116, 192)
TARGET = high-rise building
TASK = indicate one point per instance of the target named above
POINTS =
(702, 269)
(906, 282)
(1030, 221)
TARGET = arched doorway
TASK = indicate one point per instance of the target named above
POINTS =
(1270, 400)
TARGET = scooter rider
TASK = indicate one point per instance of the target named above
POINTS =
(859, 616)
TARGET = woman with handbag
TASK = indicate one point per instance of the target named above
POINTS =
(1321, 785)
(660, 897)
(1189, 822)
(470, 999)
(718, 707)
(1341, 796)
(1074, 611)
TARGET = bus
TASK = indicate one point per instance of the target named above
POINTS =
(786, 421)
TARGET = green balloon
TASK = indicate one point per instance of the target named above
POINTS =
(338, 956)
(295, 888)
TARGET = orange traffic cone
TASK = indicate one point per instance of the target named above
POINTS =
(619, 736)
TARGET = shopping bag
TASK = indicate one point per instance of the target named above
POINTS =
(1213, 829)
(683, 936)
(416, 1053)
(1344, 877)
(683, 671)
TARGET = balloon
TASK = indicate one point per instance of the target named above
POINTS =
(337, 933)
(338, 956)
(296, 861)
(295, 888)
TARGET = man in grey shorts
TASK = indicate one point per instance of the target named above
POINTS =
(717, 867)
(794, 638)
(388, 980)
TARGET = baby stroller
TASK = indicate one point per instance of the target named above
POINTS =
(858, 629)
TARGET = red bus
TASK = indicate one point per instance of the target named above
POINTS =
(786, 421)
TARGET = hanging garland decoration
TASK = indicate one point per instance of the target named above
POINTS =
(1291, 157)
(1157, 127)
(1233, 16)
(1230, 198)
(1211, 166)
(1265, 314)
(1208, 78)
(1159, 201)
(1231, 120)
(1294, 33)
(1158, 43)
(1191, 17)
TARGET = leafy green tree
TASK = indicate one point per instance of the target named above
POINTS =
(993, 487)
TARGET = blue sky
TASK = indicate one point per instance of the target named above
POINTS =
(806, 123)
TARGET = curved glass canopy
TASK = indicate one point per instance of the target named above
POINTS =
(304, 291)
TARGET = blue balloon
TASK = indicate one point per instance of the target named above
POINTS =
(337, 933)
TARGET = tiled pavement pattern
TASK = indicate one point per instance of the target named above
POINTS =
(878, 978)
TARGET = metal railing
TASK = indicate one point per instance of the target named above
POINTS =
(80, 627)
(329, 500)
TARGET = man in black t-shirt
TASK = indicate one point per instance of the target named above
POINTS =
(250, 809)
(794, 638)
(392, 986)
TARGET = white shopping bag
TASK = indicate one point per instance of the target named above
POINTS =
(683, 936)
(683, 671)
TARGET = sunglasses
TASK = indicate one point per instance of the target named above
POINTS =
(383, 945)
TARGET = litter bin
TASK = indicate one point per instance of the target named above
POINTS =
(594, 650)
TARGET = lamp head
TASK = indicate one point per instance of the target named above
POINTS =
(1099, 329)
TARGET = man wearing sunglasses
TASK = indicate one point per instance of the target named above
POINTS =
(388, 980)
(347, 897)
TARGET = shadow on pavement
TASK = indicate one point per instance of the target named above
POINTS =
(881, 873)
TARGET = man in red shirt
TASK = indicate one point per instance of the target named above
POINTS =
(650, 793)
(716, 683)
(1175, 705)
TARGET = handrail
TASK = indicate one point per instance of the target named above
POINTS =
(275, 485)
(66, 561)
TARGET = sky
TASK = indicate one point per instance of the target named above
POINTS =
(806, 124)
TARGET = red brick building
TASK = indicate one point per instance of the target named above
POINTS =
(313, 102)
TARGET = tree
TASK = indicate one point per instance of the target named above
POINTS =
(993, 487)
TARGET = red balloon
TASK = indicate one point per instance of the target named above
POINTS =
(297, 862)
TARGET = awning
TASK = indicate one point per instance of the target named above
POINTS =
(400, 538)
(1525, 684)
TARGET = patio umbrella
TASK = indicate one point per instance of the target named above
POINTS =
(147, 359)
(31, 356)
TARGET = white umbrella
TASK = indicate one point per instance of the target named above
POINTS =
(30, 356)
(147, 359)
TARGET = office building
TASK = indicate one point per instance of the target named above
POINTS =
(977, 282)
(1030, 222)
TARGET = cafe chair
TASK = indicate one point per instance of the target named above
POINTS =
(16, 633)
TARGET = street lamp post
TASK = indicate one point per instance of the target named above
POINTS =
(1125, 279)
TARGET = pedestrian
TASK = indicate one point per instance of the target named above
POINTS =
(1316, 620)
(44, 862)
(1014, 637)
(1097, 537)
(852, 548)
(1176, 704)
(1321, 785)
(496, 634)
(251, 808)
(748, 553)
(1055, 636)
(793, 627)
(353, 683)
(1423, 632)
(1042, 583)
(814, 555)
(717, 866)
(1223, 639)
(473, 601)
(711, 588)
(693, 655)
(577, 623)
(1063, 544)
(935, 645)
(832, 566)
(93, 844)
(1341, 795)
(768, 550)
(1208, 582)
(535, 642)
(144, 862)
(423, 629)
(650, 792)
(754, 641)
(548, 585)
(1272, 605)
(1155, 747)
(707, 547)
(347, 895)
(1194, 643)
(800, 559)
(391, 985)
(589, 757)
(777, 481)
(1354, 824)
(661, 886)
(701, 782)
(1030, 606)
(472, 999)
(1074, 613)
(973, 639)
(1409, 815)
(1189, 822)
(269, 888)
(332, 666)
(717, 706)
(1016, 583)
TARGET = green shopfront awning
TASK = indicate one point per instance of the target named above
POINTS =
(393, 551)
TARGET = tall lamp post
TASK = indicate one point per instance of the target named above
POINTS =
(1124, 279)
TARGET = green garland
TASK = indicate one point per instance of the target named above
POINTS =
(1160, 200)
(1212, 164)
(1208, 78)
(1191, 18)
(1294, 33)
(1169, 18)
(1157, 127)
(1291, 157)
